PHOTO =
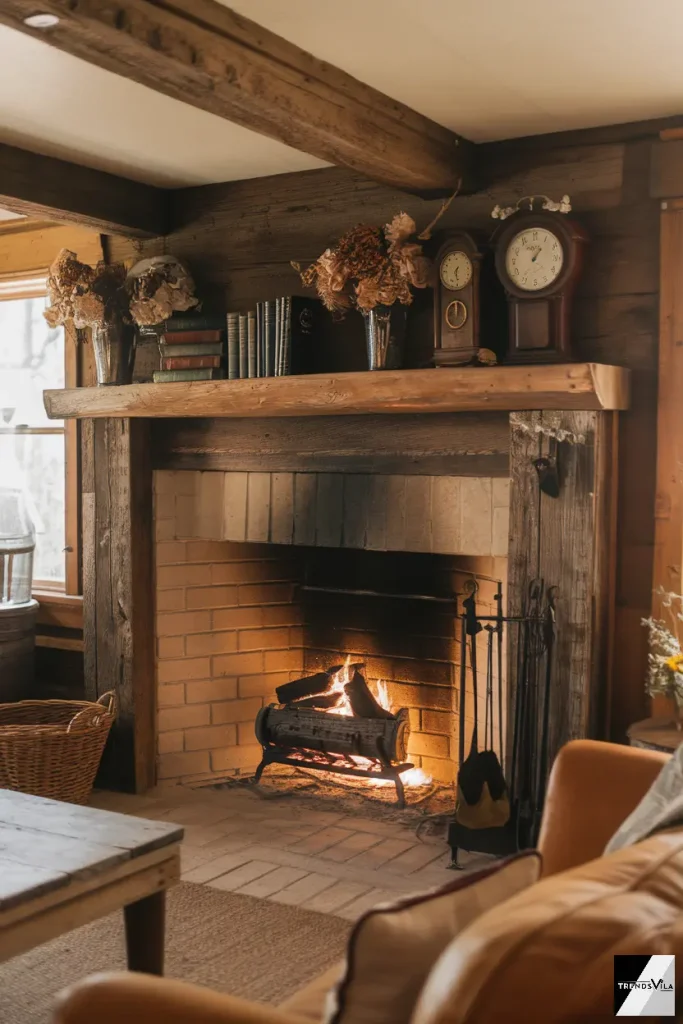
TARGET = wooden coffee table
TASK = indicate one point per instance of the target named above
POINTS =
(62, 866)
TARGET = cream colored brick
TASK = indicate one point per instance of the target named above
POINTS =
(205, 690)
(235, 757)
(171, 766)
(261, 639)
(170, 552)
(165, 481)
(237, 664)
(441, 770)
(428, 745)
(262, 685)
(211, 597)
(170, 742)
(182, 576)
(282, 615)
(169, 696)
(476, 515)
(186, 516)
(278, 661)
(501, 526)
(171, 647)
(501, 492)
(266, 593)
(183, 623)
(243, 710)
(245, 733)
(208, 550)
(170, 600)
(210, 737)
(183, 669)
(262, 571)
(189, 716)
(164, 528)
(211, 643)
(236, 618)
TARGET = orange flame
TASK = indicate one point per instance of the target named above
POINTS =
(411, 776)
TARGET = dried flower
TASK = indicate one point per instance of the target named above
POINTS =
(370, 266)
(157, 288)
(665, 658)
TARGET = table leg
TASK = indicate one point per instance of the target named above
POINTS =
(144, 921)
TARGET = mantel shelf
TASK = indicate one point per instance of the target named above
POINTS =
(588, 386)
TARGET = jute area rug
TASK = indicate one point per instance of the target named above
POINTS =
(248, 947)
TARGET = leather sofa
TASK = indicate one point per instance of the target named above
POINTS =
(593, 787)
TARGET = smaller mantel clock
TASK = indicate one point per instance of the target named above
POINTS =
(538, 260)
(456, 300)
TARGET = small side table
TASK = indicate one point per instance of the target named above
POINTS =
(655, 734)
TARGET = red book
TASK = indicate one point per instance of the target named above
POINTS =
(190, 337)
(190, 362)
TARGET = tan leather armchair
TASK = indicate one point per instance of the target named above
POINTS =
(593, 787)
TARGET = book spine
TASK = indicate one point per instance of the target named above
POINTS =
(190, 362)
(287, 331)
(193, 350)
(270, 338)
(278, 336)
(191, 337)
(193, 323)
(259, 335)
(166, 376)
(233, 346)
(242, 336)
(251, 344)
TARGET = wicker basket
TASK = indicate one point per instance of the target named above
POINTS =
(53, 747)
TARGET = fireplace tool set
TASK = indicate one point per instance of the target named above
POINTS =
(497, 814)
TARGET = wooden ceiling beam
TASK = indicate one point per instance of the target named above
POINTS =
(51, 189)
(204, 54)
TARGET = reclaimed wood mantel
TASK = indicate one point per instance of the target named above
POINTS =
(566, 386)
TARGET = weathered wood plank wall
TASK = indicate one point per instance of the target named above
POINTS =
(239, 238)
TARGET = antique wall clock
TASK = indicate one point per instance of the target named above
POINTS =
(456, 300)
(539, 255)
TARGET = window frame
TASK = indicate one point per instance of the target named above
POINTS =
(59, 598)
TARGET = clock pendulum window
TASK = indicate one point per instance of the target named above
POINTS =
(538, 260)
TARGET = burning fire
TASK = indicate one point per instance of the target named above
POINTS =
(410, 777)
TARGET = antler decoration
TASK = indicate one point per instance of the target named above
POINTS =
(503, 212)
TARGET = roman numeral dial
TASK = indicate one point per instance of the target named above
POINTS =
(534, 259)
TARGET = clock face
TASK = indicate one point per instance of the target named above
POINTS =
(534, 259)
(456, 270)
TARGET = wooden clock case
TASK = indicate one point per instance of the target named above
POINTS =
(539, 322)
(482, 297)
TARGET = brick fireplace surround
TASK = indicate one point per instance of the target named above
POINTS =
(233, 623)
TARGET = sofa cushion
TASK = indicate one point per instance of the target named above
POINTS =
(393, 947)
(309, 1002)
(549, 951)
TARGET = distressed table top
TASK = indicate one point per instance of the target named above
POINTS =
(46, 845)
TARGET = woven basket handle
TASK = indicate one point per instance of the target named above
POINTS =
(94, 712)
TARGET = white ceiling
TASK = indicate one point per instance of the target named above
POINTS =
(488, 69)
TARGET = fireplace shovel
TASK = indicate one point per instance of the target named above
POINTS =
(482, 801)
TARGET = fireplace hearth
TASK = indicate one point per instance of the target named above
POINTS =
(331, 721)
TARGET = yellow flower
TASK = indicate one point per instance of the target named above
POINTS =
(675, 662)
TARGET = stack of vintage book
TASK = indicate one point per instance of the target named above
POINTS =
(274, 339)
(192, 348)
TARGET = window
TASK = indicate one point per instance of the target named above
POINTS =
(32, 358)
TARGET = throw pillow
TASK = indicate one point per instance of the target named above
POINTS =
(546, 956)
(661, 807)
(393, 948)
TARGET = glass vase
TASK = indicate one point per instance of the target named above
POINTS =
(114, 347)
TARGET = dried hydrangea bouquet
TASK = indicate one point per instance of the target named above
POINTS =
(111, 303)
(371, 269)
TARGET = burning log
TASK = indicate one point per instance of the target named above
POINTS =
(362, 700)
(323, 701)
(295, 727)
(305, 687)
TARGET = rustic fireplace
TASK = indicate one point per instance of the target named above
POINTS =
(239, 621)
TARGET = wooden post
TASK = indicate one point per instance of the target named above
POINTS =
(118, 592)
(569, 543)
